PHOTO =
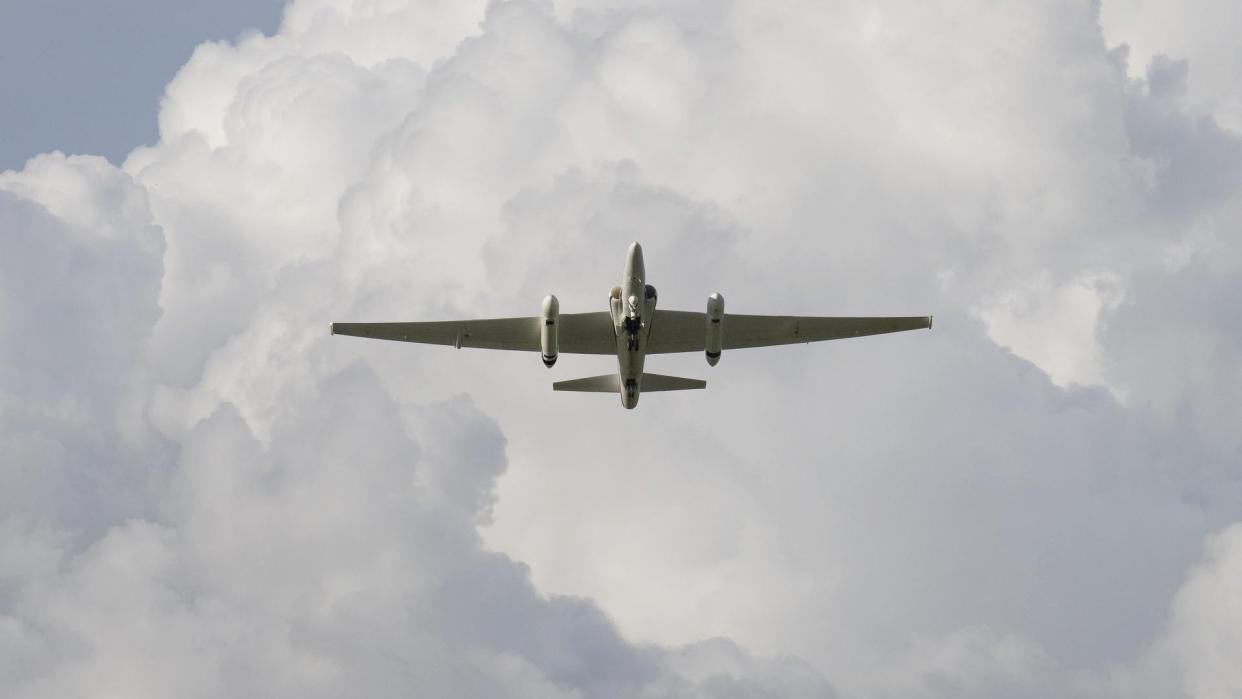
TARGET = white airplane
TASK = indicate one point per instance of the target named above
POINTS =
(631, 329)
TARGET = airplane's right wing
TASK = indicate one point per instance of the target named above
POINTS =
(587, 333)
(580, 333)
(686, 331)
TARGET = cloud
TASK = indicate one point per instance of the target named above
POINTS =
(324, 547)
(80, 266)
(210, 495)
(1193, 656)
(1203, 636)
(1154, 29)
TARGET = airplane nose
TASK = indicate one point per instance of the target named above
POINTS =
(635, 247)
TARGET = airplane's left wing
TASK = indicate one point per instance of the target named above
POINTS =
(580, 333)
(686, 331)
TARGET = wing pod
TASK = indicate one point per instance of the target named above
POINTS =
(715, 328)
(549, 317)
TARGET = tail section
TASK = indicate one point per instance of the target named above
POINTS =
(611, 383)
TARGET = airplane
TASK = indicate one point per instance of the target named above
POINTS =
(631, 329)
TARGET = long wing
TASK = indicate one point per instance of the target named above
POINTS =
(686, 331)
(580, 333)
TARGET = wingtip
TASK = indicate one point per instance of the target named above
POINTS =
(331, 328)
(930, 320)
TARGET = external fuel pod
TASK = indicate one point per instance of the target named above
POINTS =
(715, 328)
(550, 320)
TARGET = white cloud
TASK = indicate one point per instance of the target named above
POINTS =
(205, 494)
(1204, 36)
(1055, 327)
(1195, 655)
(1205, 636)
(301, 534)
(80, 264)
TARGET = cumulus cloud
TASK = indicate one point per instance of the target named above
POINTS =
(204, 494)
(1204, 636)
(80, 266)
(1153, 28)
(337, 554)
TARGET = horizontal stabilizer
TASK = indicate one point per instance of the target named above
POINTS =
(660, 382)
(611, 383)
(608, 383)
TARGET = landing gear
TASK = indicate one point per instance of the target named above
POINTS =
(631, 327)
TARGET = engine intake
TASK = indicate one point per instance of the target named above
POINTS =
(715, 328)
(615, 305)
(550, 317)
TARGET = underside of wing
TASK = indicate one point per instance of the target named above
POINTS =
(677, 331)
(497, 333)
(579, 333)
(761, 331)
(587, 333)
(686, 331)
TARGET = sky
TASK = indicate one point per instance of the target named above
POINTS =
(86, 77)
(203, 493)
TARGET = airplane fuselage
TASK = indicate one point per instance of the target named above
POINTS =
(632, 306)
